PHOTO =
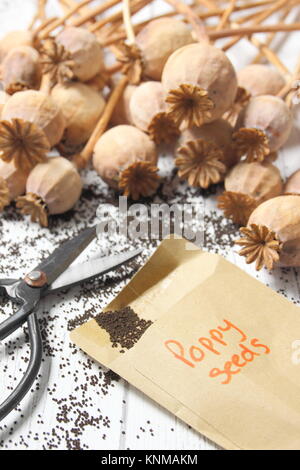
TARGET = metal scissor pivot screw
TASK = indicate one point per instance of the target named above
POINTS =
(36, 279)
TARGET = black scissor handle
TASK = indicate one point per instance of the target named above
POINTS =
(16, 320)
(32, 370)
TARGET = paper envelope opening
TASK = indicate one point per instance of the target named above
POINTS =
(223, 342)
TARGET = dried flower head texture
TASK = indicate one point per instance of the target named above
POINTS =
(148, 112)
(38, 108)
(21, 70)
(251, 143)
(82, 106)
(241, 100)
(220, 133)
(35, 207)
(260, 245)
(270, 115)
(158, 40)
(194, 79)
(23, 143)
(246, 186)
(84, 50)
(140, 179)
(237, 206)
(56, 61)
(200, 163)
(119, 149)
(259, 79)
(4, 194)
(282, 216)
(132, 62)
(52, 187)
(15, 39)
(189, 105)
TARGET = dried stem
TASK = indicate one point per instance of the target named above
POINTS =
(196, 23)
(262, 16)
(87, 152)
(94, 12)
(257, 59)
(136, 6)
(62, 20)
(271, 56)
(44, 25)
(247, 30)
(40, 14)
(226, 15)
(127, 22)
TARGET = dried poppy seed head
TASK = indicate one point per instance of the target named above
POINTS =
(200, 163)
(84, 50)
(259, 79)
(38, 108)
(22, 143)
(260, 181)
(15, 179)
(271, 115)
(158, 40)
(118, 149)
(82, 107)
(220, 133)
(251, 143)
(281, 215)
(122, 114)
(260, 245)
(140, 179)
(52, 187)
(200, 84)
(14, 39)
(246, 186)
(21, 70)
(148, 112)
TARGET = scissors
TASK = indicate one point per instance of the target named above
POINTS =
(51, 275)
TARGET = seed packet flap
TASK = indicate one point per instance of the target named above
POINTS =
(218, 353)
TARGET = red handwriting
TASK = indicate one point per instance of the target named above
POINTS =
(214, 344)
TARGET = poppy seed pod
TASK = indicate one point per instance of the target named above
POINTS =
(52, 187)
(272, 235)
(14, 39)
(21, 70)
(148, 112)
(246, 186)
(121, 113)
(259, 79)
(38, 108)
(81, 106)
(125, 158)
(292, 185)
(84, 50)
(200, 84)
(12, 183)
(265, 125)
(205, 153)
(158, 40)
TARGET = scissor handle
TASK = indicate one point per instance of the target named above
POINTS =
(16, 320)
(32, 370)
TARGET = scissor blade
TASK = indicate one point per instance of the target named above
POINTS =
(91, 269)
(64, 255)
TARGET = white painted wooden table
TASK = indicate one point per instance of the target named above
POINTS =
(70, 406)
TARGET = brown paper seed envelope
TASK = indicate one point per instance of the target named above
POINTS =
(219, 353)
